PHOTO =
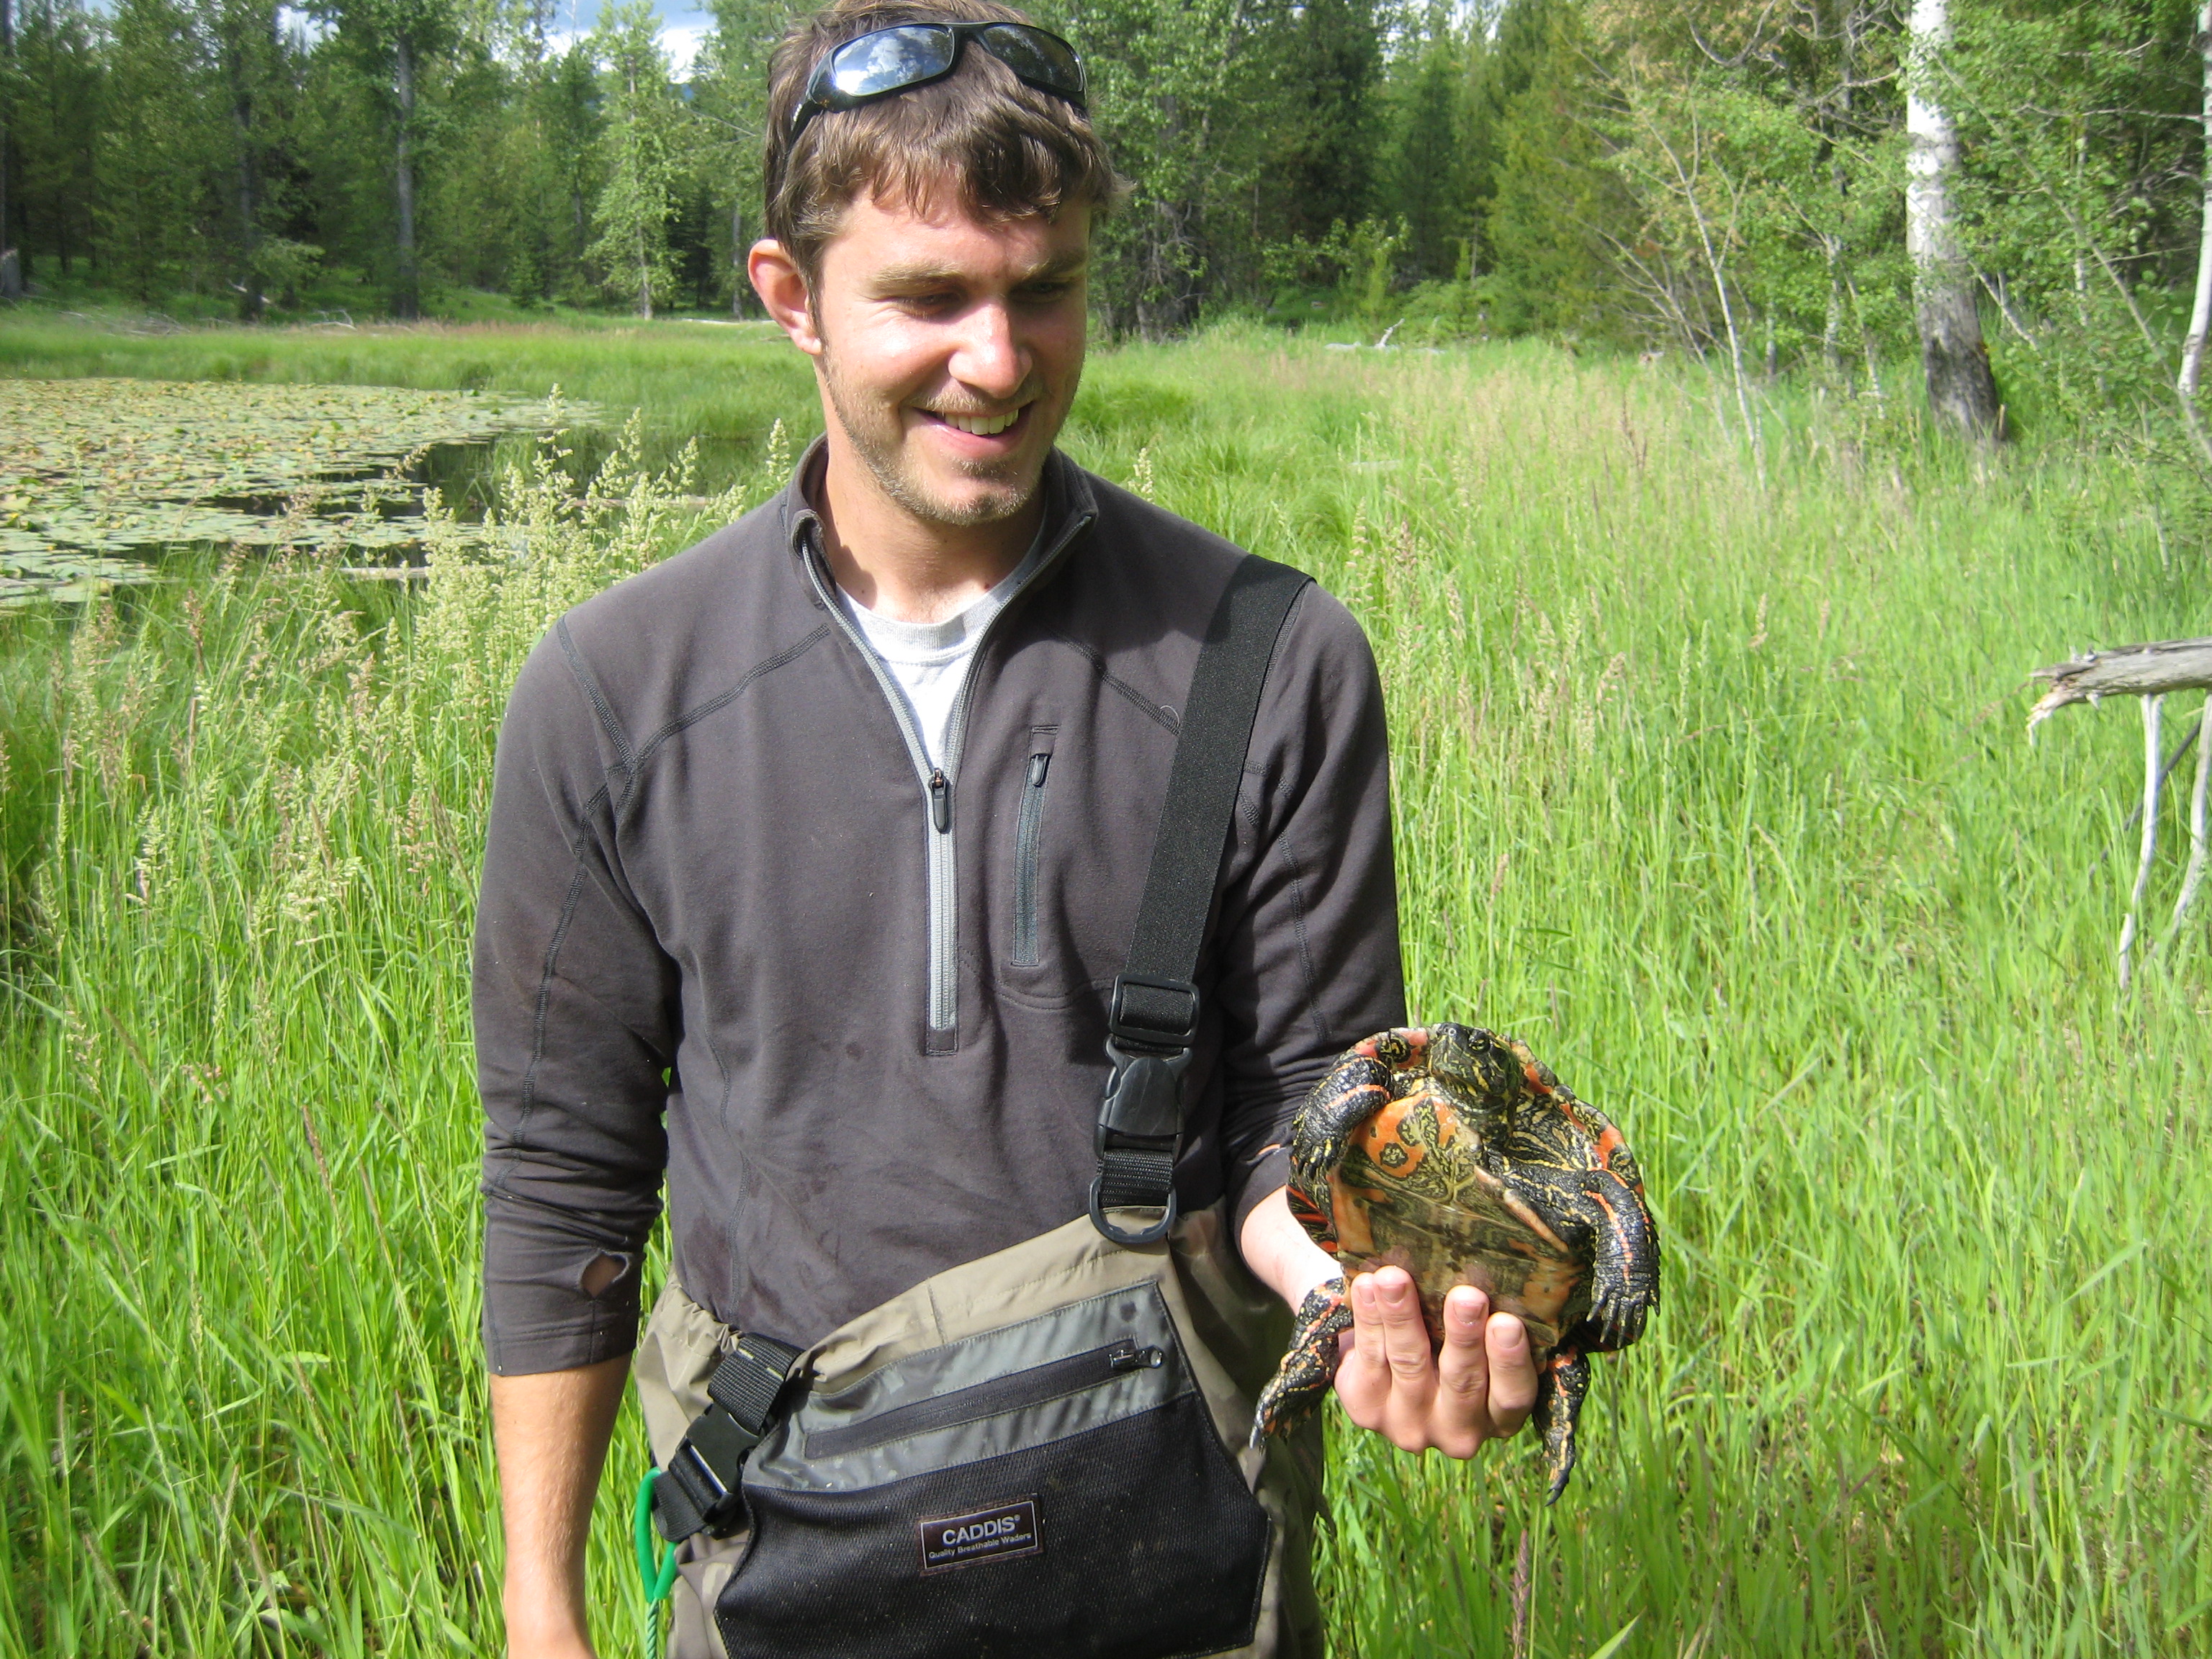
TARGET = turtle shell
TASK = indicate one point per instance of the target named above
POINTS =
(1412, 1189)
(1453, 1152)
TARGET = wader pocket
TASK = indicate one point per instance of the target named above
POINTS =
(1055, 1487)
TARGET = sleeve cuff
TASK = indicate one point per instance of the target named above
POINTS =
(537, 1316)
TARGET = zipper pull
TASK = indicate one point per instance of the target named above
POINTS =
(1128, 1356)
(941, 800)
(1038, 764)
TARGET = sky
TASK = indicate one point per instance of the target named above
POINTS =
(681, 28)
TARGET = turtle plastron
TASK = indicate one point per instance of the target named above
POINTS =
(1457, 1155)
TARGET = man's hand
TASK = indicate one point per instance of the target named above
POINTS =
(551, 1433)
(1479, 1387)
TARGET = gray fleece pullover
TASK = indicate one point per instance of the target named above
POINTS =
(737, 934)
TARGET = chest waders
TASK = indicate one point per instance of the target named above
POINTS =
(1039, 1454)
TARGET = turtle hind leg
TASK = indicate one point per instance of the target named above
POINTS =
(1560, 1387)
(1308, 1369)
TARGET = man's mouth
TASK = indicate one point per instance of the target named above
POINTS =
(979, 426)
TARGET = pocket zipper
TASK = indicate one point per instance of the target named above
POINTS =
(1072, 1374)
(1025, 860)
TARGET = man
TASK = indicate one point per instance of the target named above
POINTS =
(813, 848)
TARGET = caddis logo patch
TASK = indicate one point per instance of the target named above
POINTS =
(998, 1534)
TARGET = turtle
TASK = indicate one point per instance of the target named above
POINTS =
(1456, 1153)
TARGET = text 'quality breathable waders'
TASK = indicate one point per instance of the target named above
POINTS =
(1040, 1454)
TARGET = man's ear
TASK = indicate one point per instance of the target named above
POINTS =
(781, 286)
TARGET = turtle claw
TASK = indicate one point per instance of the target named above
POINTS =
(1619, 1324)
(1559, 1389)
(1309, 1367)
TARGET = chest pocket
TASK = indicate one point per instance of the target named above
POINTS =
(1029, 828)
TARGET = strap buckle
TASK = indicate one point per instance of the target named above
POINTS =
(1139, 1129)
(1143, 1103)
(1148, 1011)
(698, 1491)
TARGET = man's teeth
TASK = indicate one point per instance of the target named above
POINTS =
(982, 426)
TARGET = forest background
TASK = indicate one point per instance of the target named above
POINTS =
(1727, 179)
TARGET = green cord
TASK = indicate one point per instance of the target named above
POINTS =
(657, 1578)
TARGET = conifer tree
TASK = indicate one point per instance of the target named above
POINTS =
(159, 151)
(397, 44)
(11, 270)
(54, 124)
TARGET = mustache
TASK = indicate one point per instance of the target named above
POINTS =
(1031, 391)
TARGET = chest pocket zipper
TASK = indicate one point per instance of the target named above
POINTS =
(1028, 825)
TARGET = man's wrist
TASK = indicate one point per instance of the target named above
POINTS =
(1280, 1253)
(566, 1646)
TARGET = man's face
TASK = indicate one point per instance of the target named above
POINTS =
(950, 349)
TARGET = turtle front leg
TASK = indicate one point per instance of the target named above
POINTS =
(1349, 1093)
(1310, 1365)
(1560, 1387)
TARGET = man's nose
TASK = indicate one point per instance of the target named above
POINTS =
(990, 358)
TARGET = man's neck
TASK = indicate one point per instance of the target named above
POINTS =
(905, 567)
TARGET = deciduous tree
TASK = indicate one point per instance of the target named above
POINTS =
(641, 151)
(1961, 390)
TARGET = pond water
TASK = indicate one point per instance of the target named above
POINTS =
(99, 478)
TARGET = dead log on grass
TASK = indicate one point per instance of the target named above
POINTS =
(2148, 671)
(2131, 670)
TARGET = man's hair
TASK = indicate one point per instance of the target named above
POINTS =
(1008, 150)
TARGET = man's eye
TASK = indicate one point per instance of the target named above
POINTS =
(1046, 293)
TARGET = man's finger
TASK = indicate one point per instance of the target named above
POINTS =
(1366, 1353)
(1464, 1363)
(1512, 1372)
(1459, 1418)
(1362, 1375)
(1405, 1332)
(1412, 1364)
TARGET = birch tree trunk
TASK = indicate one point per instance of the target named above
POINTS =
(1961, 391)
(2200, 314)
(408, 303)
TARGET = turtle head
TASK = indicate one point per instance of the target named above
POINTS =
(1479, 1073)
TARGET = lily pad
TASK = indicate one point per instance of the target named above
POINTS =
(96, 473)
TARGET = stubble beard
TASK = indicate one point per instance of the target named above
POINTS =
(880, 444)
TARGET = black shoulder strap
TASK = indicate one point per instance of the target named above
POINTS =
(1152, 1019)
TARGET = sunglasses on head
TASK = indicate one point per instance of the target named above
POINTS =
(910, 55)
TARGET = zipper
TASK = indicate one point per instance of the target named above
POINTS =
(941, 1011)
(1077, 1374)
(1025, 859)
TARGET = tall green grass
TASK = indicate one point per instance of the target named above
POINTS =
(1712, 788)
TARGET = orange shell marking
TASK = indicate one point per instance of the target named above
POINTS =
(1386, 1130)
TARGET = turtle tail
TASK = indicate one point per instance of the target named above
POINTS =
(1560, 1387)
(1309, 1367)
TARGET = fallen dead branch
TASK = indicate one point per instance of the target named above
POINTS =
(2148, 671)
(2129, 671)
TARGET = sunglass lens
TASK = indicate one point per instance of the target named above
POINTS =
(890, 58)
(1036, 56)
